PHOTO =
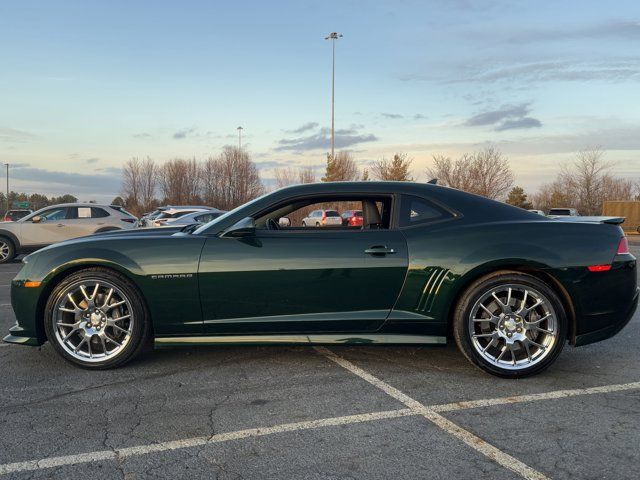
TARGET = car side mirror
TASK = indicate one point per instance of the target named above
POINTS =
(243, 228)
(284, 222)
(36, 219)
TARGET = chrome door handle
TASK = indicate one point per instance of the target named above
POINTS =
(60, 225)
(379, 250)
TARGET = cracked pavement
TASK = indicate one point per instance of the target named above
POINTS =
(50, 408)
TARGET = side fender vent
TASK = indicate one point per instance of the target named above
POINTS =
(435, 277)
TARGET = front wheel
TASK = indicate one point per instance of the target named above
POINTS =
(7, 250)
(510, 324)
(95, 318)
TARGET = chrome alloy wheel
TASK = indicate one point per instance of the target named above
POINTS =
(513, 326)
(4, 250)
(93, 320)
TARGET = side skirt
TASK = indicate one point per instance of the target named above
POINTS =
(314, 339)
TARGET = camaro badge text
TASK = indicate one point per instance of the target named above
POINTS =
(170, 276)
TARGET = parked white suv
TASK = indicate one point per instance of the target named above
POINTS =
(57, 223)
(322, 218)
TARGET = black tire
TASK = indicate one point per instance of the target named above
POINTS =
(140, 330)
(304, 224)
(317, 224)
(463, 323)
(7, 250)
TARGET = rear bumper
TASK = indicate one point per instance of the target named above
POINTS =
(612, 329)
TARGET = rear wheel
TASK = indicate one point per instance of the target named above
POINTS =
(95, 318)
(510, 324)
(7, 250)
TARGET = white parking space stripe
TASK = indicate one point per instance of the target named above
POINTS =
(475, 442)
(415, 408)
(489, 402)
(123, 453)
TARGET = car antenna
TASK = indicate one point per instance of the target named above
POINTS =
(433, 181)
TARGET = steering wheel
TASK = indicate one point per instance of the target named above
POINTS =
(272, 224)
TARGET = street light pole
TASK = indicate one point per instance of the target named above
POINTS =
(7, 165)
(239, 137)
(333, 36)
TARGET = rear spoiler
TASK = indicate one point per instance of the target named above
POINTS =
(608, 220)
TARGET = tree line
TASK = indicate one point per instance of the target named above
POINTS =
(36, 200)
(232, 178)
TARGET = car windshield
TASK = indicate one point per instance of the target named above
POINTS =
(226, 215)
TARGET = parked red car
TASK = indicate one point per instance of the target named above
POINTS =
(16, 214)
(352, 218)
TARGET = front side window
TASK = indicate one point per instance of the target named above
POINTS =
(54, 214)
(329, 213)
(417, 211)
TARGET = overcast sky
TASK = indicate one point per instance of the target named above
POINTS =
(87, 85)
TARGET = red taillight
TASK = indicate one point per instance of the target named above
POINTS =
(599, 268)
(324, 215)
(623, 247)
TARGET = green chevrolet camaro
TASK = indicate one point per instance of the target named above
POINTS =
(428, 263)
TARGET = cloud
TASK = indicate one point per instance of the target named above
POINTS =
(507, 117)
(142, 135)
(524, 122)
(419, 116)
(272, 164)
(494, 116)
(11, 135)
(616, 29)
(74, 183)
(92, 160)
(320, 140)
(181, 134)
(610, 71)
(304, 127)
(392, 116)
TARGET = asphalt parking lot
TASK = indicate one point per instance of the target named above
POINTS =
(325, 413)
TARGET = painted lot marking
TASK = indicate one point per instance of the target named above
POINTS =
(416, 409)
(475, 442)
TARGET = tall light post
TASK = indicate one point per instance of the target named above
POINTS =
(7, 165)
(333, 36)
(239, 137)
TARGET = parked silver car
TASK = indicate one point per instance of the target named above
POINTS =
(322, 218)
(195, 217)
(160, 216)
(57, 223)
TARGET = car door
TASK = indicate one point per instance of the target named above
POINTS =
(85, 220)
(306, 280)
(51, 228)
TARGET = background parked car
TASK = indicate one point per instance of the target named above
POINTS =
(539, 212)
(195, 217)
(322, 218)
(60, 222)
(163, 214)
(16, 214)
(571, 212)
(352, 218)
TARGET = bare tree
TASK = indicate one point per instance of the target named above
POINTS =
(230, 179)
(294, 176)
(552, 195)
(485, 173)
(148, 184)
(341, 168)
(179, 181)
(397, 169)
(131, 182)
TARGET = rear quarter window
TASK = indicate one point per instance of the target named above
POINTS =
(419, 211)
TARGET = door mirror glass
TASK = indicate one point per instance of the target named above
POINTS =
(243, 228)
(36, 219)
(284, 222)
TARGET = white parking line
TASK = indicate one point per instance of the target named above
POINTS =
(123, 453)
(448, 426)
(416, 408)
